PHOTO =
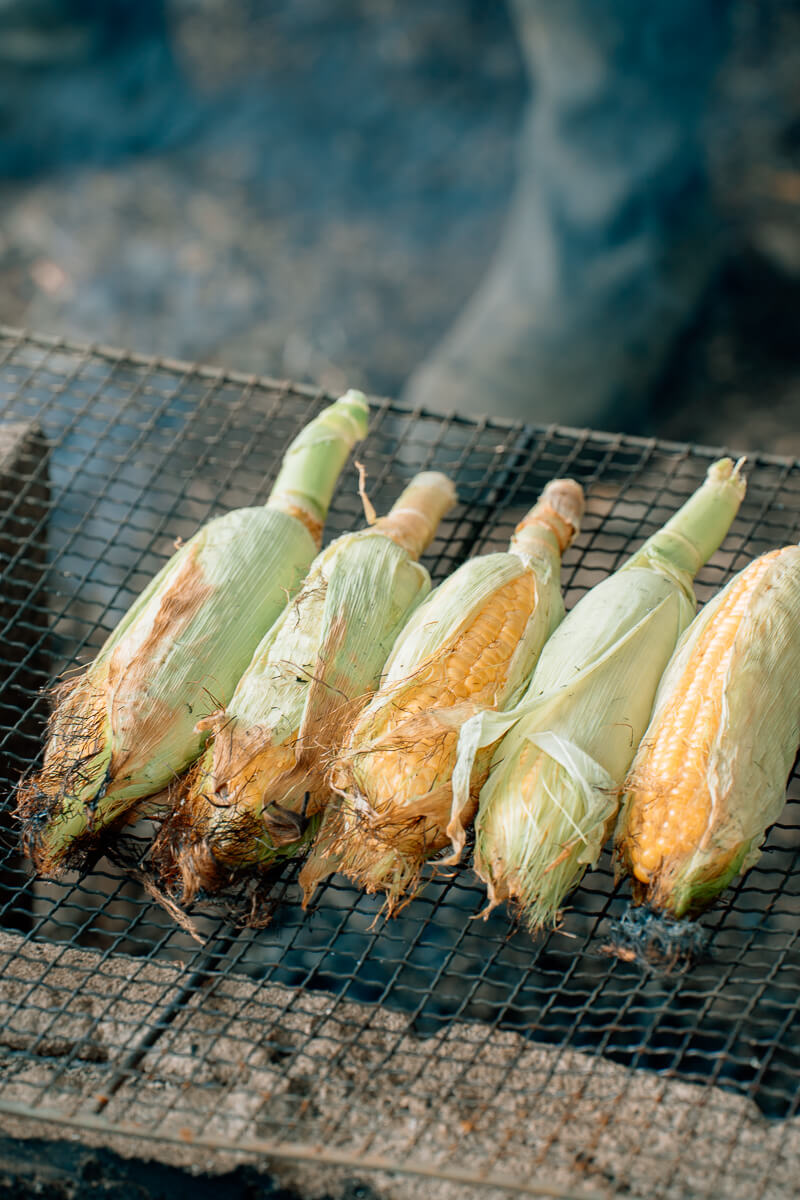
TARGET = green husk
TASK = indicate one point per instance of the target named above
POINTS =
(381, 841)
(257, 792)
(554, 782)
(752, 749)
(126, 725)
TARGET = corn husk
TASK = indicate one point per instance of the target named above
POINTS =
(747, 753)
(393, 777)
(552, 793)
(127, 724)
(256, 793)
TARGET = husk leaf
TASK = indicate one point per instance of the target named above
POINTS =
(532, 846)
(592, 692)
(380, 843)
(753, 747)
(313, 670)
(126, 725)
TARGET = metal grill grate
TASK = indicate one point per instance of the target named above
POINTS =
(429, 1045)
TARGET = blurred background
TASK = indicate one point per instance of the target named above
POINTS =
(316, 190)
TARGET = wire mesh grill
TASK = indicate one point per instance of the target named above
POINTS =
(431, 1044)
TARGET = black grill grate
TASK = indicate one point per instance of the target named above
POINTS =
(432, 1044)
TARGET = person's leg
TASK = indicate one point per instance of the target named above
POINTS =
(612, 235)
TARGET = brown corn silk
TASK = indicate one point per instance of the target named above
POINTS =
(470, 646)
(710, 774)
(126, 725)
(255, 795)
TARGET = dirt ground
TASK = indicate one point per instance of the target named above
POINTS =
(336, 182)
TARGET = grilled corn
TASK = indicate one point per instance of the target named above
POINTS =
(710, 774)
(471, 645)
(255, 794)
(553, 787)
(123, 727)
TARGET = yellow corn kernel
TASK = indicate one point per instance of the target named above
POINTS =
(670, 807)
(710, 774)
(472, 669)
(469, 648)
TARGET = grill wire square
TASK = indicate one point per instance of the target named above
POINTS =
(431, 1045)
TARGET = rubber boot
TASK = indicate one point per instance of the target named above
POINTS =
(612, 236)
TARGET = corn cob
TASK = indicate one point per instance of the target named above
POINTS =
(553, 787)
(123, 727)
(710, 774)
(255, 794)
(471, 645)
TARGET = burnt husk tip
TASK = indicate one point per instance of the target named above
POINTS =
(657, 943)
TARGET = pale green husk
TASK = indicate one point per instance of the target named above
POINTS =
(322, 657)
(369, 844)
(754, 745)
(584, 712)
(585, 726)
(257, 791)
(126, 726)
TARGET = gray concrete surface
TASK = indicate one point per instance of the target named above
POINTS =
(244, 1067)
